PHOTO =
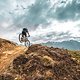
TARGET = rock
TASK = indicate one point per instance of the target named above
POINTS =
(19, 61)
(6, 77)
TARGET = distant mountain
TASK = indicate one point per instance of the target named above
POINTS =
(71, 45)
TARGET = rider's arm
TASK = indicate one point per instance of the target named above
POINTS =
(28, 34)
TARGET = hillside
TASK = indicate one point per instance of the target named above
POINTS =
(71, 45)
(8, 51)
(38, 63)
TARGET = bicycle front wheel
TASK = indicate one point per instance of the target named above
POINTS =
(20, 36)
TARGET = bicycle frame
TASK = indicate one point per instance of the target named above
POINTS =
(24, 39)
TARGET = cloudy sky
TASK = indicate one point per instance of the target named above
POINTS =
(46, 20)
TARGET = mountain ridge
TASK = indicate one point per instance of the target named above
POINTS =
(71, 44)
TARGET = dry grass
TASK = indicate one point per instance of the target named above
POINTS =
(9, 56)
(75, 55)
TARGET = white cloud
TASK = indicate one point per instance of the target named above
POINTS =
(5, 25)
(39, 35)
(54, 30)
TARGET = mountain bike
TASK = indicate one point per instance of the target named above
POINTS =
(24, 39)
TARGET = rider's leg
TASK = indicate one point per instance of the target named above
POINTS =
(22, 35)
(25, 35)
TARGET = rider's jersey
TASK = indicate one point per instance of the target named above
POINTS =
(24, 31)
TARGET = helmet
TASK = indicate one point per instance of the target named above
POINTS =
(24, 28)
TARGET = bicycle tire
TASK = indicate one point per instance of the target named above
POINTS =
(20, 37)
(27, 43)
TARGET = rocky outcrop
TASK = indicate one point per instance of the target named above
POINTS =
(45, 63)
(6, 77)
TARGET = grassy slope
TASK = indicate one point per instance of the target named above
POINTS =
(75, 55)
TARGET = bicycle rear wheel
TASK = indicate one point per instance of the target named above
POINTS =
(27, 43)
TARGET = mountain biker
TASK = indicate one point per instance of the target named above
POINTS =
(25, 32)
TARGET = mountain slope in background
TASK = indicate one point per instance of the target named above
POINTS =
(38, 63)
(71, 45)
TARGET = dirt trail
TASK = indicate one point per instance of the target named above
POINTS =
(9, 57)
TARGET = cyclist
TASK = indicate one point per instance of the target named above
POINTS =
(25, 32)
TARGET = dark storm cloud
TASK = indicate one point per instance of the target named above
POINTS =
(70, 12)
(35, 15)
(41, 12)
